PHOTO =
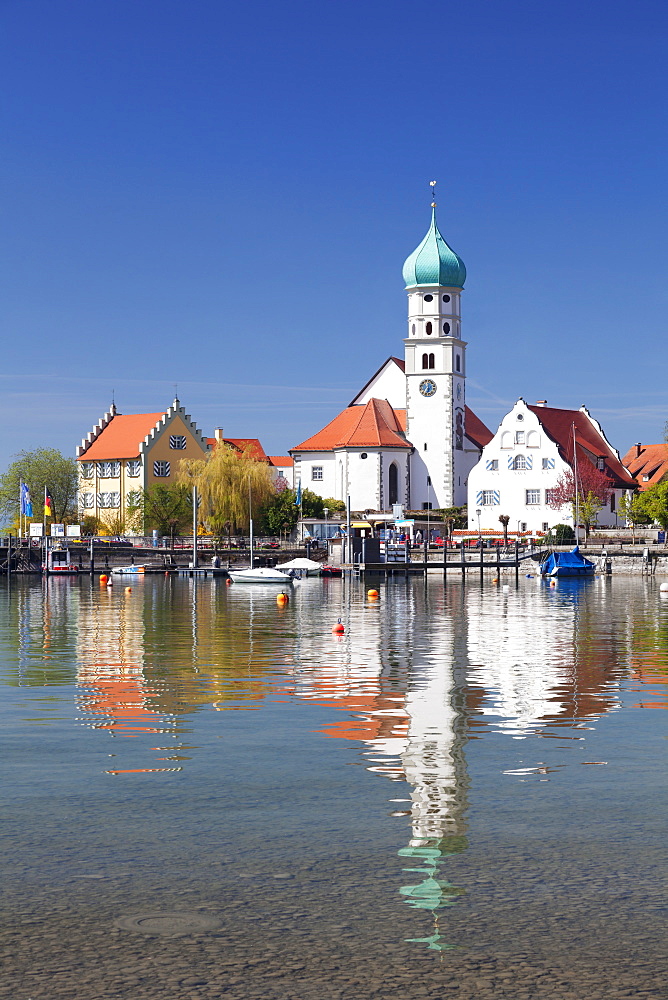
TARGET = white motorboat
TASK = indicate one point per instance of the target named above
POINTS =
(260, 575)
(128, 570)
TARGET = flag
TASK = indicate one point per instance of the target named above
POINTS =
(298, 498)
(48, 503)
(26, 500)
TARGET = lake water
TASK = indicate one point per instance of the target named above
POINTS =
(463, 795)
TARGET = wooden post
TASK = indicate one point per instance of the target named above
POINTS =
(461, 547)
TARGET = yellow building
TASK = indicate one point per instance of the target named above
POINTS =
(127, 453)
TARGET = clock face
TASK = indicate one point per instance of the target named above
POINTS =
(427, 387)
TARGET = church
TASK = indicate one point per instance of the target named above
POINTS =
(408, 436)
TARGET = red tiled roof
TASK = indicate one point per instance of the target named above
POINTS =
(649, 460)
(477, 432)
(122, 437)
(371, 425)
(559, 425)
(248, 446)
(286, 460)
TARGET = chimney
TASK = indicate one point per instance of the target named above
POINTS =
(218, 433)
(638, 449)
(541, 402)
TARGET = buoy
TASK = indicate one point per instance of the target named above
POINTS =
(553, 583)
(110, 582)
(228, 582)
(372, 593)
(664, 587)
(338, 628)
(495, 580)
(529, 576)
(128, 590)
(282, 599)
(166, 572)
(104, 578)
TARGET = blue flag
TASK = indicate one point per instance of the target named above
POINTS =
(26, 500)
(298, 498)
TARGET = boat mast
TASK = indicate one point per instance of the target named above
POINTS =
(577, 502)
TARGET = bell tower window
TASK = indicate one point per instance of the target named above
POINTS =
(428, 329)
(458, 363)
(446, 328)
(428, 361)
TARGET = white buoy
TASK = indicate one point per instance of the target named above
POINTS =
(664, 587)
(506, 588)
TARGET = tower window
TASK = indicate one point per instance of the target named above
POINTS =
(425, 446)
(446, 298)
(431, 360)
(413, 329)
(446, 328)
(428, 329)
(429, 298)
(425, 361)
(457, 363)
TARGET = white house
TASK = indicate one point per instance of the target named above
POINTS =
(530, 451)
(408, 436)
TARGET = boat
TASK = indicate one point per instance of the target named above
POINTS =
(560, 564)
(328, 570)
(128, 570)
(307, 567)
(261, 574)
(59, 563)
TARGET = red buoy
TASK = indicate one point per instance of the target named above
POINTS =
(338, 628)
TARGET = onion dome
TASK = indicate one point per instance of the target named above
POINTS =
(434, 263)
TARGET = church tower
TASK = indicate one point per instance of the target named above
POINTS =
(435, 364)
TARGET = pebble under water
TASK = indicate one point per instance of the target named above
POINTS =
(209, 795)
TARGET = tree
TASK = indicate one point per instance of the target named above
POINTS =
(653, 503)
(232, 486)
(168, 509)
(631, 508)
(282, 509)
(590, 494)
(40, 469)
(333, 506)
(505, 521)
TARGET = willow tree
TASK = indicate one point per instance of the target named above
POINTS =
(232, 487)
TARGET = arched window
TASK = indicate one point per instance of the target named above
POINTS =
(428, 329)
(457, 363)
(519, 462)
(431, 360)
(393, 483)
(446, 328)
(425, 361)
(413, 329)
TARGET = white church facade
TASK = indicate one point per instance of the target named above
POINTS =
(408, 436)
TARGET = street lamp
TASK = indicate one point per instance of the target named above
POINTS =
(478, 513)
(326, 512)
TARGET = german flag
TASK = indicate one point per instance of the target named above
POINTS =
(48, 503)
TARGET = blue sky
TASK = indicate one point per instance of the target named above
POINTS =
(221, 196)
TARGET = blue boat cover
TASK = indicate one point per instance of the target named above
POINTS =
(567, 564)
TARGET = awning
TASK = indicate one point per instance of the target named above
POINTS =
(360, 524)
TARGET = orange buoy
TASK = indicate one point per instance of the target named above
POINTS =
(128, 590)
(372, 593)
(104, 578)
(166, 572)
(495, 580)
(228, 582)
(338, 629)
(282, 599)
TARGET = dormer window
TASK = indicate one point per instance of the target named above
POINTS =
(600, 464)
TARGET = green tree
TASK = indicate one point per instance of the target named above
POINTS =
(40, 469)
(231, 486)
(333, 506)
(281, 509)
(653, 502)
(168, 509)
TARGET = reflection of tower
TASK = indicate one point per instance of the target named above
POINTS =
(407, 691)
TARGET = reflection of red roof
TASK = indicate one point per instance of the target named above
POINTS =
(372, 425)
(477, 432)
(590, 443)
(122, 437)
(649, 460)
(279, 460)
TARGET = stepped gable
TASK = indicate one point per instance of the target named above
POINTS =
(647, 460)
(591, 443)
(372, 425)
(119, 436)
